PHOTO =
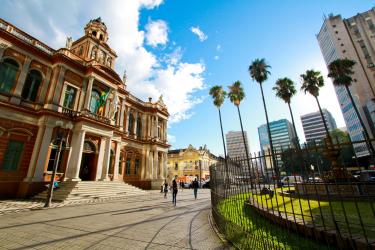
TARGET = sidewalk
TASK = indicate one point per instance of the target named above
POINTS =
(147, 222)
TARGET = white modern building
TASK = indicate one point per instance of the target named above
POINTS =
(313, 125)
(235, 144)
(353, 38)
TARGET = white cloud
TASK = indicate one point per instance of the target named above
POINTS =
(171, 138)
(216, 57)
(157, 33)
(148, 74)
(218, 47)
(199, 33)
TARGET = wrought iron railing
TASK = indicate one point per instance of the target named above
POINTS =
(317, 197)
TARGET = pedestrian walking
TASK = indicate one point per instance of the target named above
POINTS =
(165, 189)
(175, 190)
(195, 185)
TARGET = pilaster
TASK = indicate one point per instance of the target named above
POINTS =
(122, 112)
(16, 99)
(117, 160)
(106, 158)
(43, 153)
(86, 104)
(74, 161)
(59, 85)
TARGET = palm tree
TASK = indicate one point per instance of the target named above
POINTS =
(259, 72)
(312, 81)
(218, 94)
(341, 71)
(285, 90)
(236, 95)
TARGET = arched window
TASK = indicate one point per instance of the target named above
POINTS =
(31, 86)
(94, 101)
(131, 123)
(139, 127)
(137, 164)
(8, 73)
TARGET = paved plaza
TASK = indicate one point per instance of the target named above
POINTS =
(145, 222)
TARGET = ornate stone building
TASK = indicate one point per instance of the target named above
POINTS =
(110, 134)
(190, 162)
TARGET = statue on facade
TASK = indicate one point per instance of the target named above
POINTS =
(124, 77)
(114, 105)
(69, 42)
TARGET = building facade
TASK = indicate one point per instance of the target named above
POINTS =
(313, 126)
(282, 135)
(109, 133)
(353, 38)
(190, 162)
(235, 144)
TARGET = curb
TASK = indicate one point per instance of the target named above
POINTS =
(221, 236)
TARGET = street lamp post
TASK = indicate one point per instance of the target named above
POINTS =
(60, 138)
(200, 173)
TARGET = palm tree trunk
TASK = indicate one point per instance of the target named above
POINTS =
(225, 151)
(244, 142)
(276, 168)
(360, 120)
(294, 127)
(324, 121)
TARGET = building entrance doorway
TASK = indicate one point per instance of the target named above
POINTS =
(87, 170)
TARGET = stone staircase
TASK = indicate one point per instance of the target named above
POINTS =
(91, 190)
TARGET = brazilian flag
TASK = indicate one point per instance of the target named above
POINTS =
(103, 98)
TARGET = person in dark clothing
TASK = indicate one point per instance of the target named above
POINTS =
(195, 186)
(175, 190)
(165, 189)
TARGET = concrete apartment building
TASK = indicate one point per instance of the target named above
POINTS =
(313, 126)
(235, 145)
(353, 38)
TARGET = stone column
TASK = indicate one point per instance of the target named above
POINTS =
(107, 156)
(156, 135)
(122, 112)
(21, 81)
(127, 120)
(59, 86)
(151, 165)
(47, 82)
(50, 89)
(117, 160)
(74, 161)
(39, 155)
(3, 47)
(165, 131)
(144, 132)
(156, 165)
(161, 167)
(165, 168)
(86, 104)
(99, 167)
(135, 124)
(148, 126)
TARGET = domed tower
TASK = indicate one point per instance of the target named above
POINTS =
(93, 45)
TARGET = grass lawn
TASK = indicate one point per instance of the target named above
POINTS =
(323, 215)
(248, 230)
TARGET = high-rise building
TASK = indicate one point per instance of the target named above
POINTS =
(313, 126)
(282, 135)
(353, 38)
(235, 145)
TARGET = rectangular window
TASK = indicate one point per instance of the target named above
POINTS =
(127, 167)
(136, 166)
(12, 156)
(69, 97)
(53, 158)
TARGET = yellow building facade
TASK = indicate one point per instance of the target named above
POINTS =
(190, 162)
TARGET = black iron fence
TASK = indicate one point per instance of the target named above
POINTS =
(318, 197)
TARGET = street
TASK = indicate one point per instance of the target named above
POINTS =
(146, 222)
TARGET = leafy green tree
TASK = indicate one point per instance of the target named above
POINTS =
(285, 90)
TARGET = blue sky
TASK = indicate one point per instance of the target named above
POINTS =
(156, 45)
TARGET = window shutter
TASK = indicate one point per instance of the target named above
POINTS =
(13, 155)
